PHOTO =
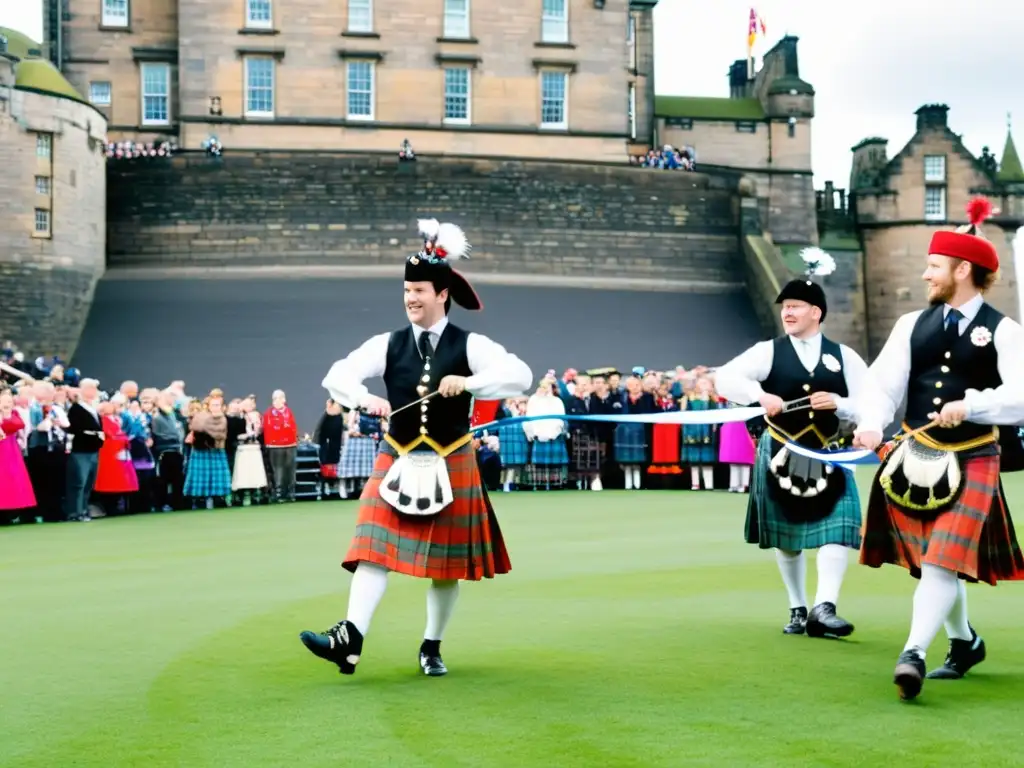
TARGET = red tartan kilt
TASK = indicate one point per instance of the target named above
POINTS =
(975, 537)
(463, 541)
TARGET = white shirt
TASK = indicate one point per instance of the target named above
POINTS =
(546, 429)
(890, 374)
(740, 379)
(497, 373)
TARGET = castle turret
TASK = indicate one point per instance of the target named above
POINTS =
(870, 157)
(782, 91)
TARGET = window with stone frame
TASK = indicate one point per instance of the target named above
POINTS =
(456, 18)
(156, 93)
(935, 169)
(259, 86)
(359, 87)
(457, 94)
(554, 21)
(554, 93)
(42, 223)
(935, 203)
(259, 14)
(115, 13)
(360, 15)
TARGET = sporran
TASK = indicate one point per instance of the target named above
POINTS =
(921, 481)
(417, 484)
(805, 489)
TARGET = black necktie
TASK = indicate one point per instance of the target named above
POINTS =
(953, 325)
(426, 350)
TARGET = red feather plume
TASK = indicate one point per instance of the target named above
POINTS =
(978, 210)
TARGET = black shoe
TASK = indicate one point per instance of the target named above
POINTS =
(797, 621)
(342, 644)
(430, 659)
(962, 655)
(909, 674)
(823, 622)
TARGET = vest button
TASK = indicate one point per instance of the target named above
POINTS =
(425, 379)
(421, 390)
(948, 355)
(810, 415)
(937, 401)
(426, 366)
(423, 430)
(423, 418)
(807, 387)
(945, 369)
(423, 407)
(938, 385)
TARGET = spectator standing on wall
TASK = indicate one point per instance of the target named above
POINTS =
(281, 436)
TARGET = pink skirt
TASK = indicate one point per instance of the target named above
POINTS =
(15, 486)
(736, 446)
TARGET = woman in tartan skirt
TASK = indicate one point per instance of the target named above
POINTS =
(699, 448)
(549, 455)
(631, 439)
(207, 475)
(360, 450)
(513, 447)
(959, 366)
(424, 511)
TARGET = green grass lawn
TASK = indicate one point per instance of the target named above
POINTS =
(636, 629)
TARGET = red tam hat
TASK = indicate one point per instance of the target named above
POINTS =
(967, 243)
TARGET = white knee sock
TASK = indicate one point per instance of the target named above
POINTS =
(709, 477)
(441, 596)
(636, 477)
(957, 627)
(793, 567)
(368, 585)
(695, 477)
(832, 562)
(933, 600)
(734, 477)
(628, 473)
(744, 476)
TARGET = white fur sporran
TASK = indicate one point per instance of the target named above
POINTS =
(920, 479)
(418, 484)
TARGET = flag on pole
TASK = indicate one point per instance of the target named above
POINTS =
(756, 22)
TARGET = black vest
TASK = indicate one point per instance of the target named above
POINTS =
(942, 373)
(789, 380)
(443, 419)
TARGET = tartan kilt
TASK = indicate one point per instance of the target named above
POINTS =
(513, 447)
(974, 537)
(587, 452)
(357, 457)
(207, 473)
(768, 527)
(631, 443)
(549, 453)
(462, 541)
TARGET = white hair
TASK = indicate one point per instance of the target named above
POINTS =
(88, 383)
(118, 399)
(277, 393)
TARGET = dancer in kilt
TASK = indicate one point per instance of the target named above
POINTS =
(936, 506)
(797, 503)
(424, 511)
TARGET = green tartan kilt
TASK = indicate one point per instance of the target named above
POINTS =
(768, 527)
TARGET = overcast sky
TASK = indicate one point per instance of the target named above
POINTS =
(872, 63)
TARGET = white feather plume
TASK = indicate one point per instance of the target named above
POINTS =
(428, 228)
(817, 261)
(454, 241)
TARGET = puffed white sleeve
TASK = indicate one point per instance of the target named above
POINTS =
(887, 379)
(1003, 405)
(739, 380)
(855, 371)
(344, 381)
(497, 373)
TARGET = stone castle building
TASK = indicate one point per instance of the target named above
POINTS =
(898, 202)
(544, 78)
(52, 229)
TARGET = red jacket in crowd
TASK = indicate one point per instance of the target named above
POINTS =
(279, 428)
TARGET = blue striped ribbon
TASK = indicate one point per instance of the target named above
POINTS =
(718, 416)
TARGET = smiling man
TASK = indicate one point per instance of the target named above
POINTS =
(936, 505)
(806, 383)
(424, 512)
